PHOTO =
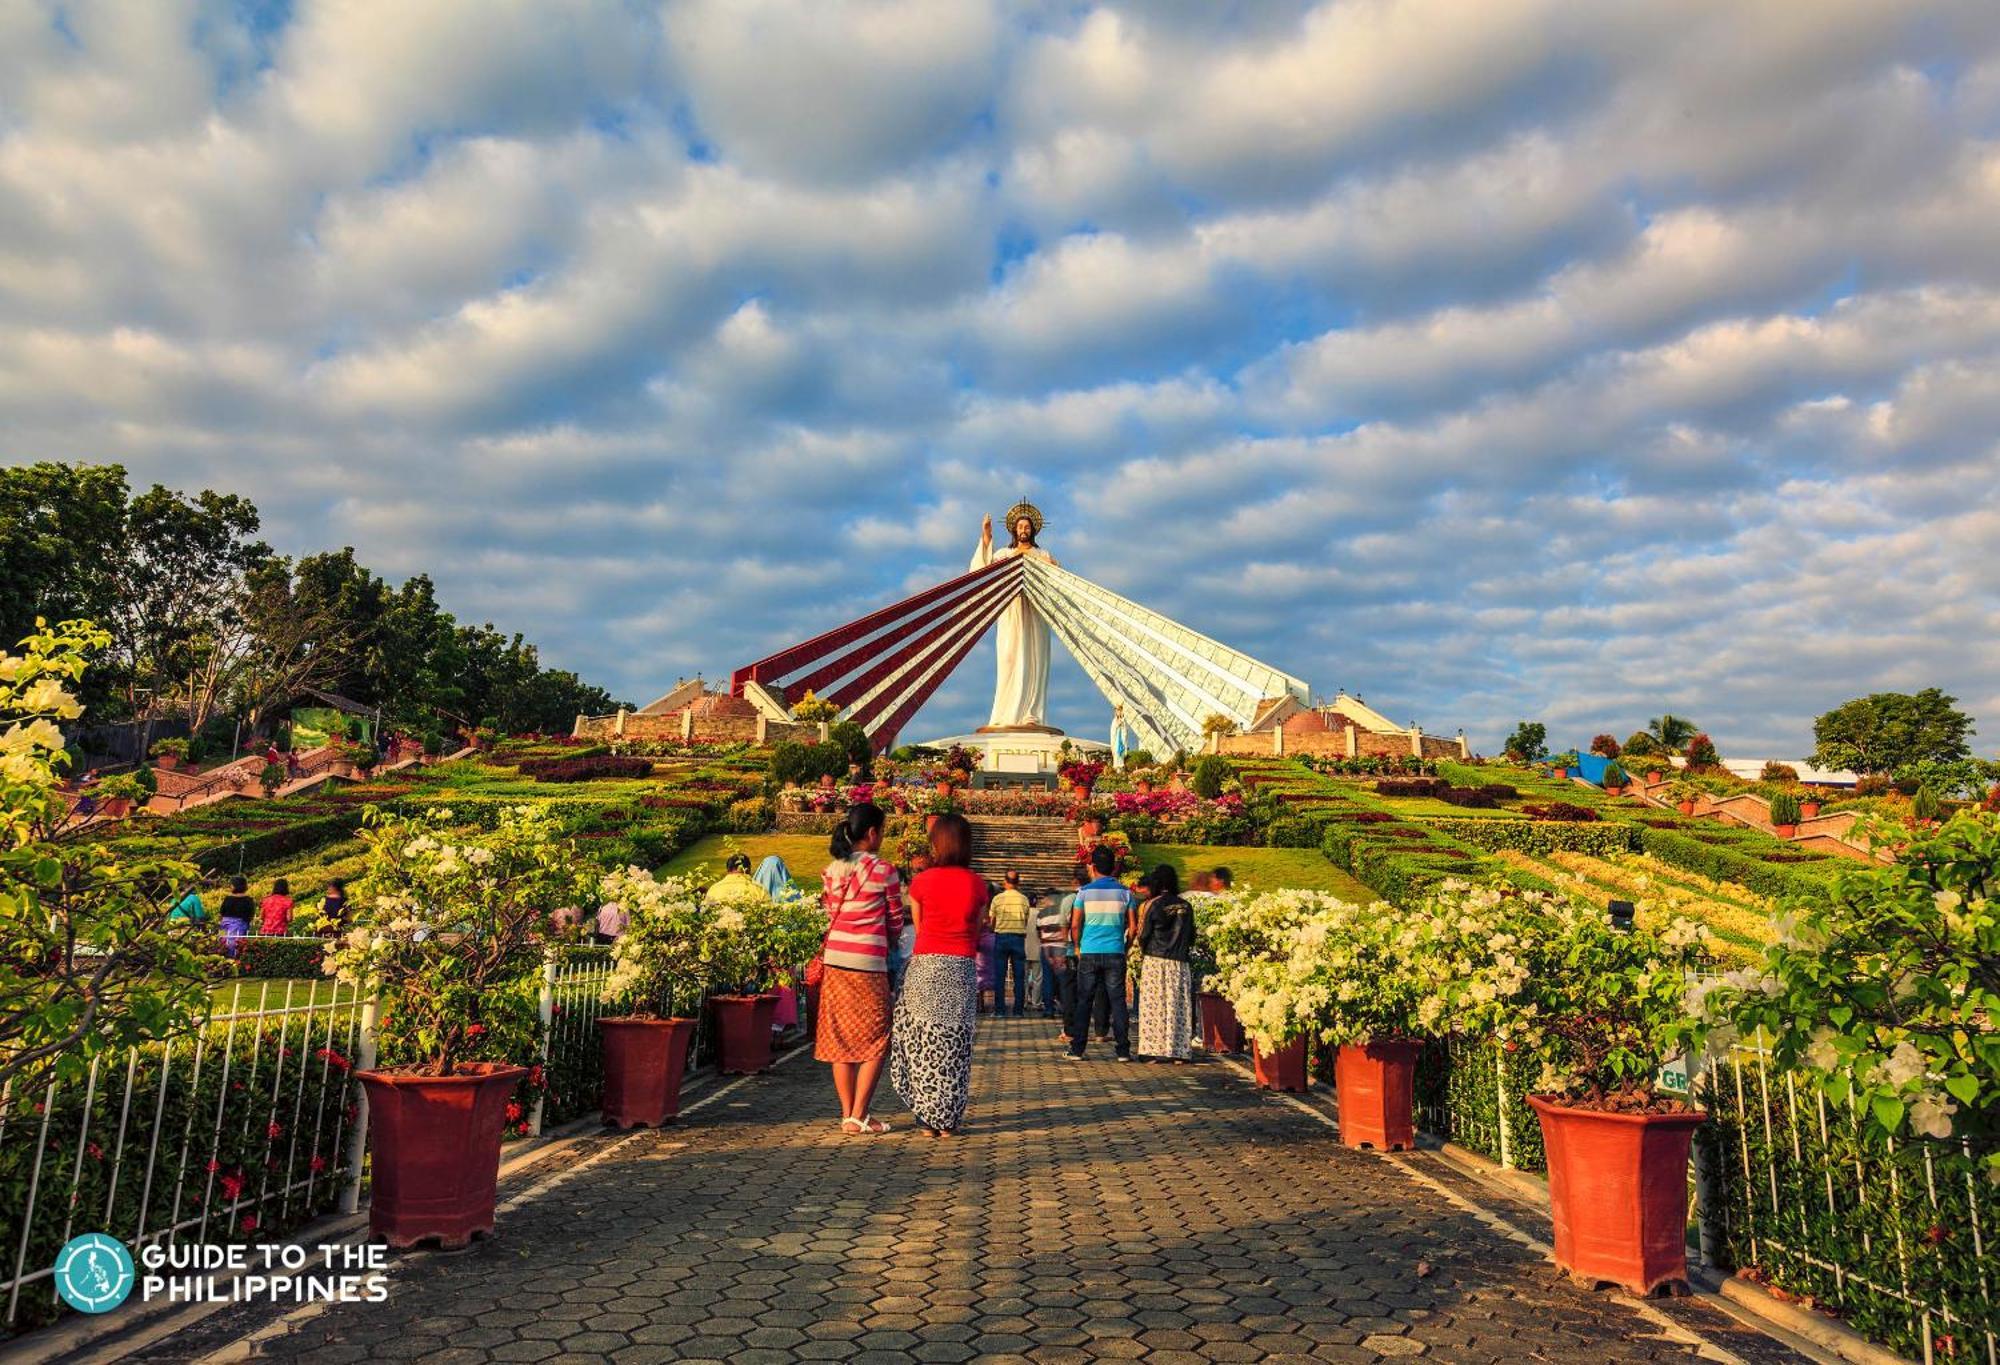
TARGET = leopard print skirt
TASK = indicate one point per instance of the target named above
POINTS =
(930, 1045)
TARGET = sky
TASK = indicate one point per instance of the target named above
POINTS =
(1490, 359)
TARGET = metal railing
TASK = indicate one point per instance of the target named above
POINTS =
(1895, 1237)
(241, 1126)
(251, 1125)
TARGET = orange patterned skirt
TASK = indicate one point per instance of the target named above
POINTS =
(853, 1016)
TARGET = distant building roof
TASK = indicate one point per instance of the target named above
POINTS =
(1750, 769)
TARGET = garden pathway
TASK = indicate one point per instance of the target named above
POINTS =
(1092, 1212)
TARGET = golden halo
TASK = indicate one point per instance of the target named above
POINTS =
(1027, 509)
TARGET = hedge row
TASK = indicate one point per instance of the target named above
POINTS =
(301, 836)
(584, 769)
(280, 957)
(1399, 861)
(1725, 864)
(1600, 840)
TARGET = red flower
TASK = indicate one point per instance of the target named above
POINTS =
(274, 1129)
(249, 1222)
(213, 1165)
(475, 1030)
(513, 1113)
(232, 1186)
(1937, 1234)
(96, 1152)
(317, 1164)
(535, 1075)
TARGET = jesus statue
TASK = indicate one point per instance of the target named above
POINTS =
(1021, 686)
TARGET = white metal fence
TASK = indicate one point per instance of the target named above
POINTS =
(246, 1124)
(250, 1126)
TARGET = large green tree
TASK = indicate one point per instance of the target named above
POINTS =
(1887, 731)
(181, 585)
(62, 542)
(206, 621)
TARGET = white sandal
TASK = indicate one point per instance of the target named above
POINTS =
(858, 1126)
(874, 1127)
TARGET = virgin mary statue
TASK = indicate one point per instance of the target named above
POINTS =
(1021, 685)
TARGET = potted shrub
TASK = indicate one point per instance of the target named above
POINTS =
(1614, 778)
(116, 796)
(1785, 814)
(446, 929)
(1366, 970)
(657, 973)
(1257, 971)
(1684, 793)
(1604, 1007)
(1809, 805)
(271, 777)
(169, 754)
(743, 1012)
(1562, 763)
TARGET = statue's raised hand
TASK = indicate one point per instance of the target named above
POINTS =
(986, 528)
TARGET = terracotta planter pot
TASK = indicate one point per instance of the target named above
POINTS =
(744, 1037)
(644, 1060)
(434, 1144)
(1655, 777)
(1618, 1194)
(167, 762)
(1808, 810)
(115, 807)
(1561, 774)
(1143, 788)
(1786, 831)
(1282, 1069)
(1376, 1083)
(1220, 1030)
(1684, 807)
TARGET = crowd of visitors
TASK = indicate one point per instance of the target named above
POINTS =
(907, 969)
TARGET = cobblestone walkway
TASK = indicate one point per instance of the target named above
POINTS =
(1093, 1212)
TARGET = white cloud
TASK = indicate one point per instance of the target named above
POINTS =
(1491, 360)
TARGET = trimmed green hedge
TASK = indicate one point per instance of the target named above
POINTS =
(1599, 839)
(280, 957)
(1399, 861)
(254, 850)
(1811, 880)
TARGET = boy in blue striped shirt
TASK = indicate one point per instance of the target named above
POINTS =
(1102, 923)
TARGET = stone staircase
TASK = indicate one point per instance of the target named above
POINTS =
(1042, 850)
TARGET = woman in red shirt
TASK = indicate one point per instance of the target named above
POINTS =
(930, 1047)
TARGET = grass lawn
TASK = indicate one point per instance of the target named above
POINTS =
(247, 993)
(1267, 869)
(804, 854)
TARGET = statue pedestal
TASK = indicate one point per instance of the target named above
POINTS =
(1021, 748)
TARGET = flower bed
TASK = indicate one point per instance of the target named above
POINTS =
(584, 769)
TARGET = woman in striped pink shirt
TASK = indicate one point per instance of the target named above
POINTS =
(863, 897)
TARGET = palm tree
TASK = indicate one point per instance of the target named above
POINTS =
(1672, 731)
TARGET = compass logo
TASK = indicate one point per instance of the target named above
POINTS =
(94, 1273)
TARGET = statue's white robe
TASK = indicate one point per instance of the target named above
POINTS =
(1021, 681)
